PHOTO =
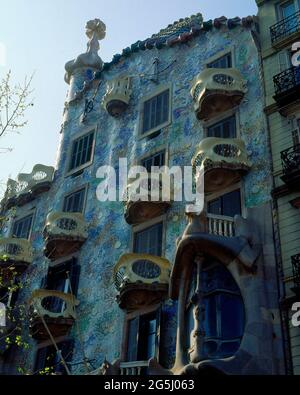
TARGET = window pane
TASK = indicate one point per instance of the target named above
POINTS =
(232, 316)
(214, 207)
(224, 129)
(231, 204)
(82, 151)
(132, 339)
(156, 111)
(221, 63)
(149, 241)
(21, 228)
(210, 320)
(74, 203)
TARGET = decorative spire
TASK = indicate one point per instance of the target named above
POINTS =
(95, 31)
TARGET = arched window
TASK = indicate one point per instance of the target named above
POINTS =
(222, 316)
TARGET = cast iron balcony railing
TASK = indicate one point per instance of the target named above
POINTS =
(285, 29)
(287, 85)
(291, 165)
(296, 272)
(55, 308)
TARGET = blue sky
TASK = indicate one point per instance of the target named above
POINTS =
(41, 36)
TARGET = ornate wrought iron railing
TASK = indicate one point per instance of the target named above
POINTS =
(296, 270)
(290, 159)
(287, 80)
(285, 28)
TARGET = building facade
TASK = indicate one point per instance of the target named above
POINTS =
(150, 287)
(280, 29)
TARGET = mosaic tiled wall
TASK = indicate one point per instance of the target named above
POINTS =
(99, 317)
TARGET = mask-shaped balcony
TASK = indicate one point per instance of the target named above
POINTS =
(117, 96)
(139, 210)
(224, 160)
(53, 310)
(217, 90)
(141, 280)
(27, 186)
(64, 234)
(16, 253)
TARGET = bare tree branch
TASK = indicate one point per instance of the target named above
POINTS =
(14, 101)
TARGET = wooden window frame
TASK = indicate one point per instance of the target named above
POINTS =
(150, 96)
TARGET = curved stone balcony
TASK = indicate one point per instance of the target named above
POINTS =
(224, 160)
(27, 186)
(137, 210)
(217, 90)
(64, 234)
(15, 253)
(117, 96)
(53, 308)
(141, 280)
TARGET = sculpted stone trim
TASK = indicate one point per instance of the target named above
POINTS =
(217, 90)
(244, 260)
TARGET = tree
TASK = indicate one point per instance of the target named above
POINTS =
(14, 101)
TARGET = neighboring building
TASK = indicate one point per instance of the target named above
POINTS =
(135, 288)
(279, 29)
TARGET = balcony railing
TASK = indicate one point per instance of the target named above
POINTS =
(224, 161)
(39, 180)
(13, 250)
(64, 233)
(56, 309)
(286, 81)
(53, 304)
(290, 159)
(117, 96)
(137, 368)
(285, 28)
(217, 90)
(220, 225)
(141, 278)
(157, 198)
(296, 271)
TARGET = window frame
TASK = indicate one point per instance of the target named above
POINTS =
(220, 55)
(82, 188)
(148, 224)
(21, 219)
(79, 136)
(231, 188)
(156, 308)
(228, 114)
(279, 14)
(160, 89)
